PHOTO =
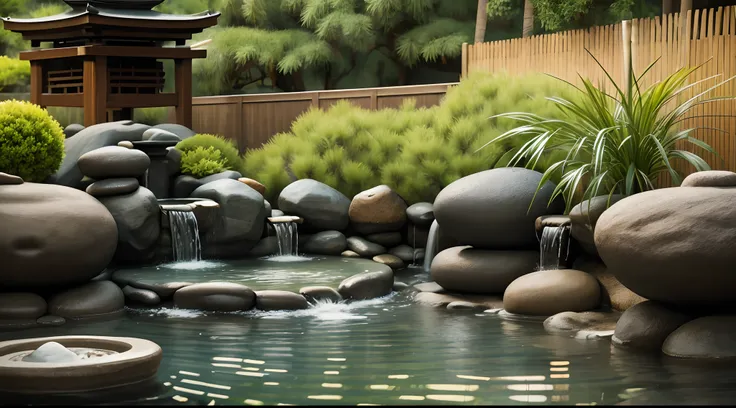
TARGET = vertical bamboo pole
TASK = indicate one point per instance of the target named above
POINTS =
(626, 37)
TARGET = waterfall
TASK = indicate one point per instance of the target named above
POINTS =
(287, 237)
(551, 246)
(431, 248)
(184, 236)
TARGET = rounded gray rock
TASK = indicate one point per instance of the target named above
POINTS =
(326, 243)
(215, 296)
(387, 239)
(710, 337)
(546, 293)
(468, 270)
(113, 161)
(51, 320)
(6, 179)
(142, 296)
(72, 129)
(646, 325)
(21, 305)
(350, 254)
(365, 248)
(320, 293)
(584, 216)
(280, 300)
(391, 260)
(266, 246)
(242, 213)
(184, 185)
(321, 206)
(711, 178)
(368, 285)
(421, 214)
(160, 134)
(181, 131)
(137, 216)
(227, 174)
(403, 252)
(95, 299)
(491, 209)
(112, 187)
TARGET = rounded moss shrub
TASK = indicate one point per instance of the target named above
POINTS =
(31, 141)
(202, 162)
(15, 75)
(229, 153)
(415, 150)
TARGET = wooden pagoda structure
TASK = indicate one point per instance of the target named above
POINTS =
(105, 57)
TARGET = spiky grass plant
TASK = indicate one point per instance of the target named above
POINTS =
(617, 143)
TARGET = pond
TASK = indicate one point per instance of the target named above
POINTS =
(384, 351)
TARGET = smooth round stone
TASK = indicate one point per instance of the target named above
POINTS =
(431, 287)
(6, 179)
(363, 247)
(255, 185)
(378, 209)
(444, 299)
(583, 219)
(549, 292)
(268, 206)
(586, 322)
(465, 305)
(215, 296)
(161, 135)
(138, 219)
(367, 285)
(326, 243)
(321, 206)
(403, 252)
(72, 129)
(223, 175)
(387, 259)
(21, 306)
(180, 130)
(95, 299)
(468, 270)
(113, 186)
(646, 325)
(711, 178)
(320, 294)
(164, 290)
(421, 214)
(399, 286)
(51, 320)
(142, 296)
(126, 144)
(113, 161)
(184, 185)
(419, 254)
(350, 254)
(710, 337)
(387, 239)
(280, 300)
(173, 160)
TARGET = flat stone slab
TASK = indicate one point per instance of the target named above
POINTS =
(215, 296)
(444, 299)
(368, 285)
(432, 287)
(584, 325)
(280, 300)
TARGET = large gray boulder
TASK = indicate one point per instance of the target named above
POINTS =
(368, 285)
(467, 270)
(421, 214)
(93, 300)
(326, 243)
(91, 138)
(181, 131)
(112, 162)
(646, 325)
(72, 129)
(584, 216)
(137, 216)
(491, 209)
(675, 245)
(215, 296)
(711, 178)
(241, 215)
(52, 235)
(321, 206)
(548, 292)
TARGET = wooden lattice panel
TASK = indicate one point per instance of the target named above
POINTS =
(135, 76)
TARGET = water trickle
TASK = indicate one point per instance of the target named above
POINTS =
(287, 237)
(431, 245)
(184, 236)
(551, 246)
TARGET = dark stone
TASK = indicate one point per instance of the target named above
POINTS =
(112, 162)
(242, 214)
(379, 209)
(320, 294)
(364, 247)
(711, 178)
(392, 261)
(444, 299)
(173, 161)
(491, 209)
(350, 254)
(548, 292)
(184, 185)
(266, 246)
(368, 285)
(387, 239)
(646, 325)
(142, 296)
(164, 290)
(227, 250)
(326, 243)
(227, 174)
(280, 300)
(403, 252)
(21, 306)
(95, 299)
(9, 179)
(416, 236)
(160, 134)
(52, 235)
(321, 206)
(137, 216)
(112, 187)
(421, 214)
(269, 210)
(72, 129)
(215, 296)
(399, 286)
(708, 337)
(50, 320)
(584, 216)
(182, 131)
(468, 270)
(104, 275)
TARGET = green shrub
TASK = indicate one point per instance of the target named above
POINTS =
(416, 151)
(227, 149)
(15, 75)
(151, 116)
(31, 141)
(202, 162)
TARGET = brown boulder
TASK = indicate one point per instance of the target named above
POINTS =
(712, 178)
(613, 293)
(710, 337)
(583, 218)
(253, 184)
(378, 209)
(549, 292)
(280, 300)
(21, 306)
(645, 326)
(93, 300)
(215, 296)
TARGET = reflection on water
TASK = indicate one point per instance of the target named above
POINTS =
(386, 351)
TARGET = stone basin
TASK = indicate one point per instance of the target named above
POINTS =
(119, 361)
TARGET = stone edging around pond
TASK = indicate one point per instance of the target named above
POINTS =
(231, 297)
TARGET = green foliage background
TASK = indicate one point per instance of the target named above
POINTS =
(416, 151)
(226, 153)
(202, 161)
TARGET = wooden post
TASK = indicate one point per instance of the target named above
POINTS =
(36, 82)
(183, 74)
(626, 34)
(94, 79)
(464, 63)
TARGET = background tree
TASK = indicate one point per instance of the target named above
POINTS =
(481, 20)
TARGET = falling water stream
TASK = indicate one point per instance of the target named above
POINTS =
(431, 246)
(184, 236)
(287, 237)
(551, 246)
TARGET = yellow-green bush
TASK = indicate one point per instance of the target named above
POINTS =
(202, 161)
(230, 156)
(31, 141)
(15, 75)
(416, 151)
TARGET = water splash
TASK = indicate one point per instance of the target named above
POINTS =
(551, 246)
(184, 236)
(431, 249)
(287, 237)
(192, 265)
(287, 258)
